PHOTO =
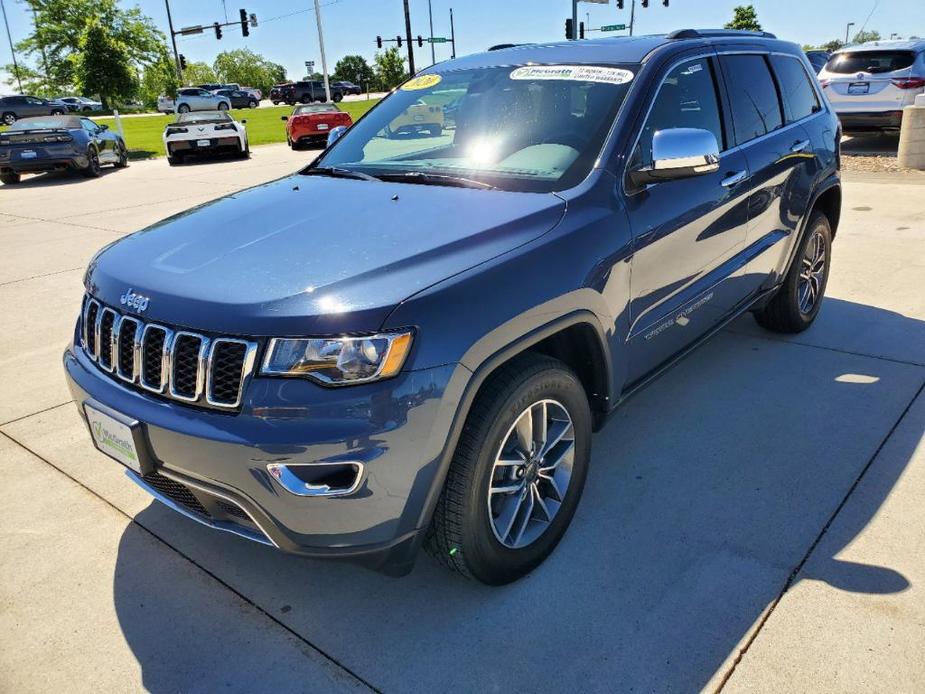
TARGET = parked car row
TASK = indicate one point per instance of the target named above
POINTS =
(12, 108)
(308, 91)
(210, 97)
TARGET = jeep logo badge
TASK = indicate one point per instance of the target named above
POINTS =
(134, 301)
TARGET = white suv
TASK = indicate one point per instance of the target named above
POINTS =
(868, 85)
(193, 99)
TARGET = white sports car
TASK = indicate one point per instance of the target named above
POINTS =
(204, 132)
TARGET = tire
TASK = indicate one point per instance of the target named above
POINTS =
(174, 159)
(183, 108)
(86, 109)
(435, 130)
(305, 99)
(337, 98)
(276, 103)
(465, 532)
(93, 168)
(789, 311)
(9, 118)
(9, 179)
(252, 104)
(122, 161)
(246, 152)
(57, 112)
(222, 106)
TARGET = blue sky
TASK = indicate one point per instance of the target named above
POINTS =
(287, 32)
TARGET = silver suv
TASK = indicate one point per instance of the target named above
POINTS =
(868, 85)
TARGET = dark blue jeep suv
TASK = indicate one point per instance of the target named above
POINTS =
(410, 341)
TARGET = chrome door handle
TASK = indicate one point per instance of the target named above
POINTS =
(799, 146)
(734, 179)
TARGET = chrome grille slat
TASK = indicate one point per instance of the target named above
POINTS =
(177, 364)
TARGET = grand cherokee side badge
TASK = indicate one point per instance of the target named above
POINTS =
(134, 301)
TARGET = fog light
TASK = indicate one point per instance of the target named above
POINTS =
(318, 479)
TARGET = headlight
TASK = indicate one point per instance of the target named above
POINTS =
(338, 360)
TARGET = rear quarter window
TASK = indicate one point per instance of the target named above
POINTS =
(796, 89)
(753, 96)
(870, 61)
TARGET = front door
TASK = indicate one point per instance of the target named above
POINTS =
(687, 232)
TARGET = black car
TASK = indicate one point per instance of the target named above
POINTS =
(12, 108)
(277, 92)
(238, 98)
(818, 59)
(56, 143)
(347, 87)
(307, 91)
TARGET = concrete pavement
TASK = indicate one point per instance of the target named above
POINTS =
(751, 520)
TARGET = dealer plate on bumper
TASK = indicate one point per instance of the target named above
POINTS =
(115, 438)
(203, 143)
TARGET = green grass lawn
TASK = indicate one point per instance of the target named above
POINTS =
(143, 134)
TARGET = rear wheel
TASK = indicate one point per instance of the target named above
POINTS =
(252, 104)
(306, 99)
(246, 152)
(436, 130)
(183, 108)
(122, 161)
(222, 106)
(337, 98)
(57, 112)
(93, 168)
(517, 473)
(10, 178)
(796, 304)
(175, 159)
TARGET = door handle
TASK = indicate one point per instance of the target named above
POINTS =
(734, 179)
(799, 146)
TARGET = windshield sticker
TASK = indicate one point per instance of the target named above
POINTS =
(573, 73)
(422, 82)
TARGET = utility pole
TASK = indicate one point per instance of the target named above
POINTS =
(173, 40)
(847, 30)
(12, 50)
(430, 16)
(324, 62)
(574, 36)
(632, 16)
(411, 69)
(452, 34)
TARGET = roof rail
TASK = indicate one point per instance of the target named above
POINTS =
(502, 46)
(706, 33)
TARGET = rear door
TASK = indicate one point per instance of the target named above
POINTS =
(687, 233)
(769, 110)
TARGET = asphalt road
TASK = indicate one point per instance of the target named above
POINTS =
(752, 521)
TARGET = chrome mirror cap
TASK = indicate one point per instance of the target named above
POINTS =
(336, 134)
(679, 153)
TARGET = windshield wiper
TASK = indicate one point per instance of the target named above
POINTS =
(435, 179)
(338, 172)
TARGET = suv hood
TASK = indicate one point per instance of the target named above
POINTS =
(310, 255)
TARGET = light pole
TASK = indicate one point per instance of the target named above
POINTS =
(430, 16)
(407, 38)
(848, 29)
(452, 35)
(173, 40)
(324, 62)
(12, 50)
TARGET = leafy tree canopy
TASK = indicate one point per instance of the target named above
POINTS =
(103, 65)
(199, 73)
(160, 77)
(865, 36)
(354, 68)
(243, 66)
(390, 69)
(832, 45)
(744, 17)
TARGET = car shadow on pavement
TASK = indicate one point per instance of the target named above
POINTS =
(706, 492)
(54, 178)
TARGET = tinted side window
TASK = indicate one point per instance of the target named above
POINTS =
(795, 88)
(686, 99)
(753, 95)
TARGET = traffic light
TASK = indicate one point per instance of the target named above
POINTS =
(568, 28)
(378, 42)
(619, 4)
(581, 30)
(398, 39)
(245, 31)
(420, 42)
(644, 3)
(218, 30)
(182, 62)
(665, 3)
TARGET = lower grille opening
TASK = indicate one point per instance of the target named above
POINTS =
(232, 510)
(175, 491)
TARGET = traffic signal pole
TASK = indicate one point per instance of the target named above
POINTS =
(452, 34)
(173, 40)
(411, 70)
(574, 20)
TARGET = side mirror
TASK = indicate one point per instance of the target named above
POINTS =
(679, 153)
(284, 117)
(243, 121)
(103, 127)
(336, 134)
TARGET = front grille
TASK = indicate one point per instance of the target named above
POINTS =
(175, 491)
(208, 371)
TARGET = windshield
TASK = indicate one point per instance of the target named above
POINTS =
(533, 128)
(202, 116)
(870, 61)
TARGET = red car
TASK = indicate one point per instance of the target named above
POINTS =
(312, 123)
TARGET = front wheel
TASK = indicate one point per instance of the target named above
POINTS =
(252, 104)
(57, 112)
(337, 98)
(517, 473)
(9, 118)
(796, 304)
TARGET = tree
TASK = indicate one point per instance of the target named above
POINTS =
(60, 25)
(199, 73)
(243, 66)
(832, 45)
(159, 78)
(744, 17)
(390, 69)
(354, 68)
(103, 65)
(865, 36)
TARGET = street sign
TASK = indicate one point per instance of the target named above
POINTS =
(438, 39)
(309, 64)
(186, 31)
(613, 27)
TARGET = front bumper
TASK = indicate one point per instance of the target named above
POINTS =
(397, 428)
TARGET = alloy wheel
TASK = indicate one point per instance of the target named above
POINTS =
(531, 474)
(812, 273)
